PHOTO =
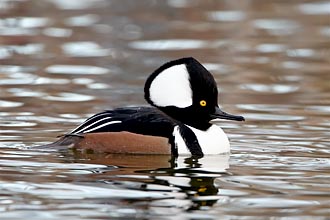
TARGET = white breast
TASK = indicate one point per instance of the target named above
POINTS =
(212, 141)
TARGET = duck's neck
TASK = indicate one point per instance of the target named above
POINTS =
(187, 118)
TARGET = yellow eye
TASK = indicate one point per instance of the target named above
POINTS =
(202, 103)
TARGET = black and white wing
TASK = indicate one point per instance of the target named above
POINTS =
(140, 120)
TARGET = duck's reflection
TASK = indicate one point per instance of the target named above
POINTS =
(193, 176)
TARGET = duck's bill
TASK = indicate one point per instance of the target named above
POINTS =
(219, 114)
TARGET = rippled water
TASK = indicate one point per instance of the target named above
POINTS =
(61, 61)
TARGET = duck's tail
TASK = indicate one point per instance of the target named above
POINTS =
(65, 142)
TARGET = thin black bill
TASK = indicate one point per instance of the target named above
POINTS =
(219, 114)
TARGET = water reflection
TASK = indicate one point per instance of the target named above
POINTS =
(108, 179)
(76, 69)
(173, 44)
(68, 97)
(84, 49)
(193, 176)
(271, 88)
(22, 25)
(78, 4)
(57, 32)
(7, 104)
(277, 26)
(315, 8)
(82, 20)
(227, 16)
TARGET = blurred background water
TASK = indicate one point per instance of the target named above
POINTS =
(62, 61)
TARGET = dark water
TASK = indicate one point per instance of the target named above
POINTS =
(61, 61)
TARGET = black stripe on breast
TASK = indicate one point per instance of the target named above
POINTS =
(191, 141)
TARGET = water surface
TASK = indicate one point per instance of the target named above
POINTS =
(62, 61)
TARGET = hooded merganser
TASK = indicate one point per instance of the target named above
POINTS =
(184, 99)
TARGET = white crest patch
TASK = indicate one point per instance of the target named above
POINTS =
(172, 88)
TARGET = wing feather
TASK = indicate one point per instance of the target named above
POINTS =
(140, 120)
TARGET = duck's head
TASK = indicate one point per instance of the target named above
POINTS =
(185, 90)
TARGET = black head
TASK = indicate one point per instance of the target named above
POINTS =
(186, 91)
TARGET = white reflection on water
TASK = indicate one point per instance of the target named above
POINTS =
(89, 83)
(220, 68)
(284, 24)
(57, 32)
(76, 69)
(9, 104)
(17, 32)
(273, 117)
(84, 49)
(82, 20)
(11, 123)
(26, 49)
(16, 68)
(277, 26)
(73, 191)
(260, 202)
(266, 107)
(292, 65)
(270, 88)
(49, 119)
(22, 25)
(301, 52)
(83, 81)
(98, 86)
(24, 22)
(180, 3)
(169, 44)
(29, 79)
(325, 31)
(68, 97)
(21, 92)
(17, 81)
(78, 4)
(4, 53)
(271, 48)
(227, 15)
(315, 8)
(323, 109)
(46, 80)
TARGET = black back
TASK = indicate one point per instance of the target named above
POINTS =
(139, 120)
